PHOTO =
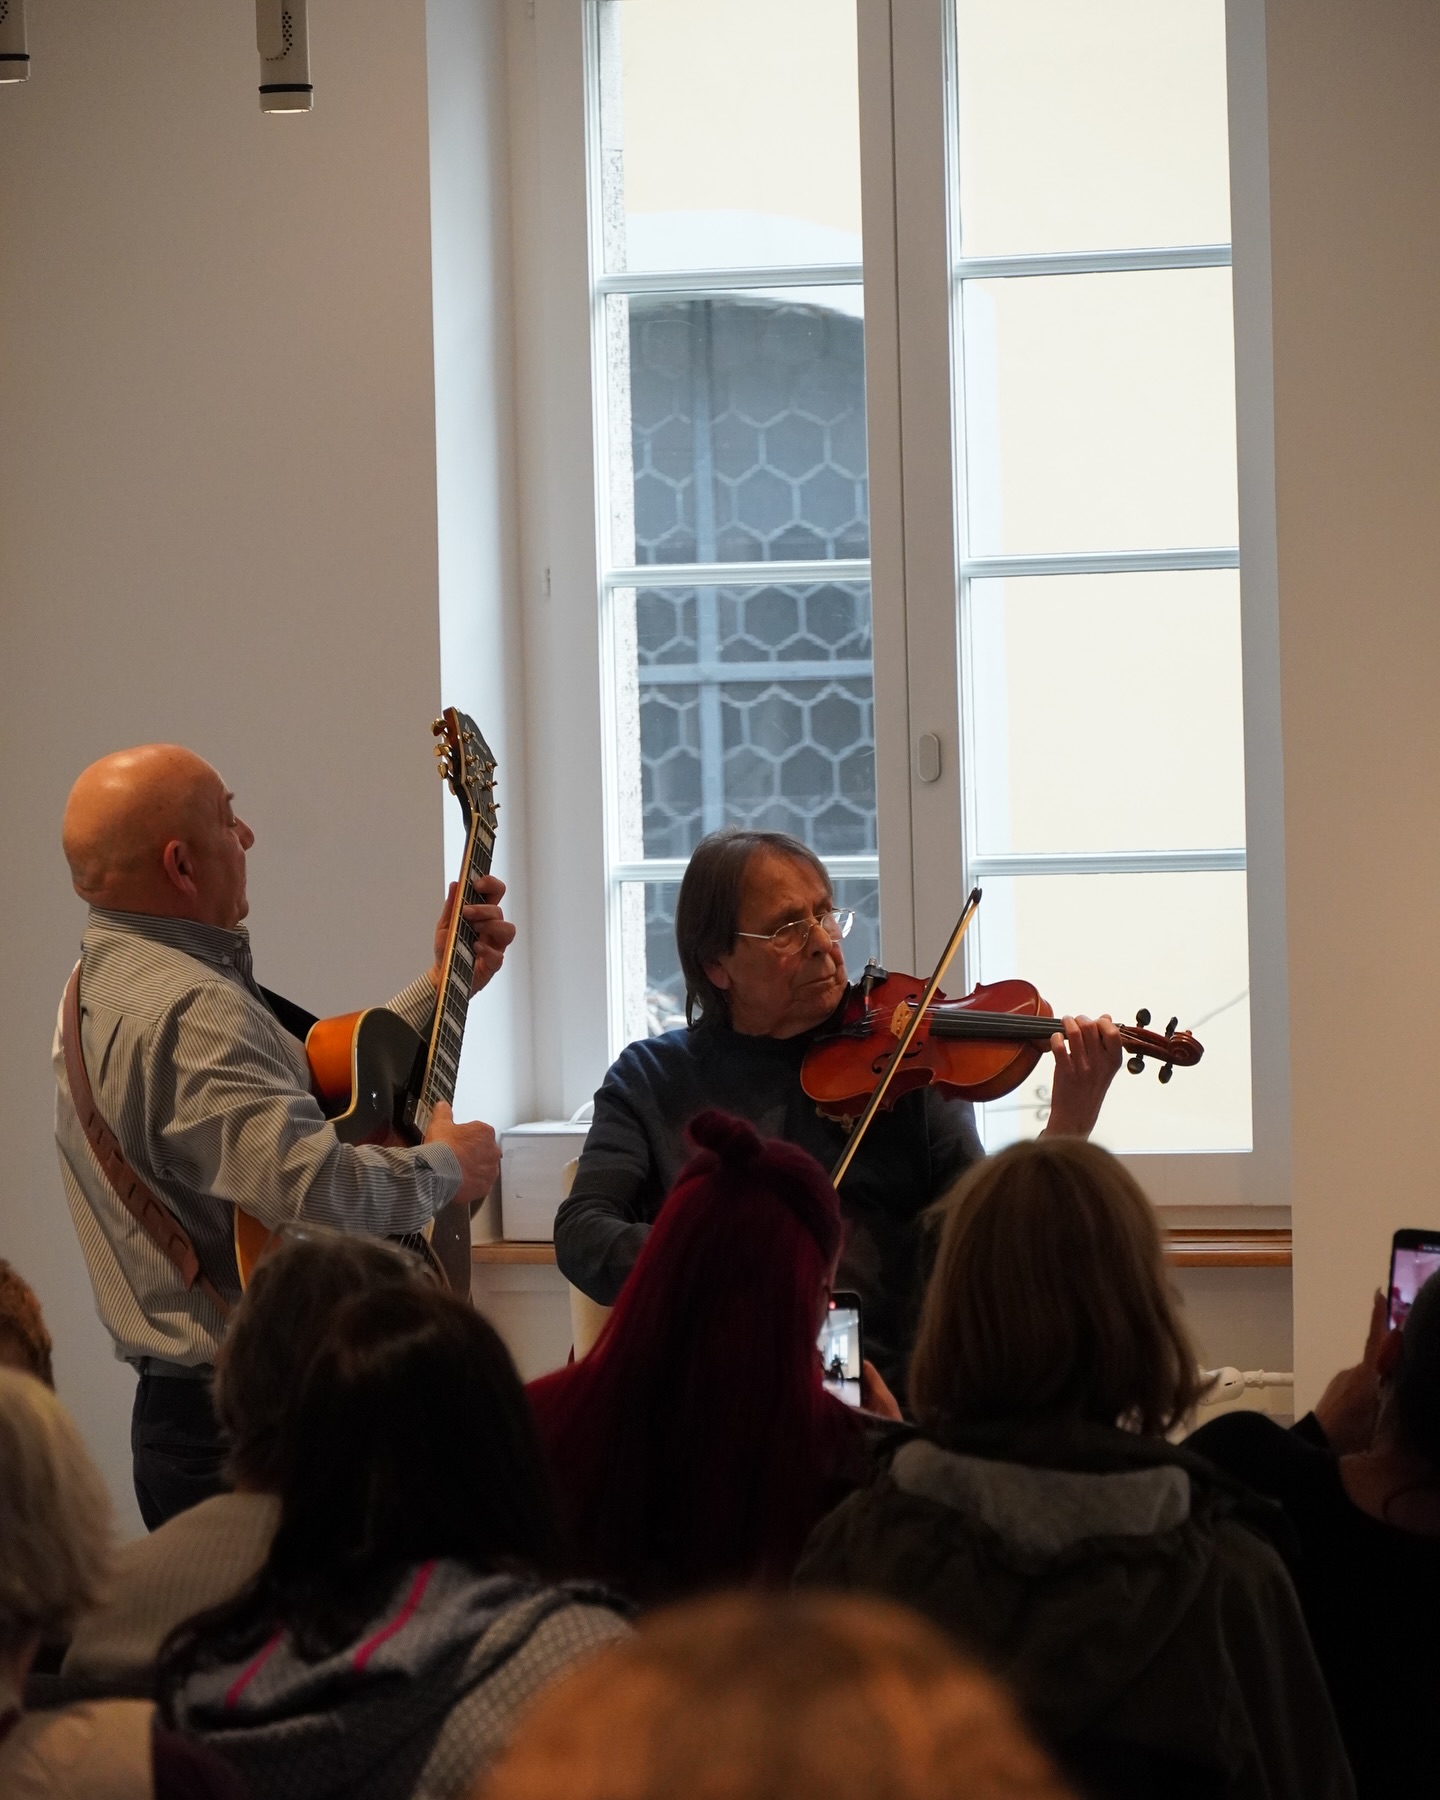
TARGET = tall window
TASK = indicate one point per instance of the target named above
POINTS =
(1066, 615)
(729, 324)
(1100, 599)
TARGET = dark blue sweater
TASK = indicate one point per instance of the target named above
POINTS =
(637, 1146)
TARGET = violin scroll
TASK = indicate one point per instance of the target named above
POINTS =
(1171, 1048)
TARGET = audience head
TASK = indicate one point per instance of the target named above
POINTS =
(1414, 1376)
(1049, 1299)
(690, 1442)
(707, 912)
(275, 1332)
(410, 1438)
(24, 1341)
(55, 1534)
(813, 1697)
(153, 830)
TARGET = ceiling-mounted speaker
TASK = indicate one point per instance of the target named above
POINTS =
(282, 33)
(14, 57)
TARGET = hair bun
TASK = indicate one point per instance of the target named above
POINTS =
(734, 1141)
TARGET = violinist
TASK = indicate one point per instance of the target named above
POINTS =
(760, 943)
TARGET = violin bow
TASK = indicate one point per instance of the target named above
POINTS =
(877, 1099)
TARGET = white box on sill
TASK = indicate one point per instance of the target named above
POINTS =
(533, 1161)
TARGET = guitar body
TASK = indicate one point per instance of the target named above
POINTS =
(363, 1068)
(377, 1079)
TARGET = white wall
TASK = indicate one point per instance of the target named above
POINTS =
(218, 521)
(481, 647)
(1355, 220)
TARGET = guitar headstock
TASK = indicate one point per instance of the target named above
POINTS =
(1173, 1047)
(468, 764)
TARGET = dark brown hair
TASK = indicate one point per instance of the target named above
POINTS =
(277, 1328)
(409, 1439)
(813, 1696)
(24, 1341)
(707, 913)
(1049, 1299)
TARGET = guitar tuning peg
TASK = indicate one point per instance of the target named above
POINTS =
(1170, 1028)
(437, 727)
(1166, 1073)
(1136, 1064)
(1142, 1018)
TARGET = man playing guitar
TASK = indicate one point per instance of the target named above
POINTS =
(209, 1094)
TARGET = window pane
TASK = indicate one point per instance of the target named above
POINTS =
(730, 133)
(755, 708)
(1094, 126)
(1099, 412)
(746, 429)
(1107, 712)
(655, 997)
(1114, 943)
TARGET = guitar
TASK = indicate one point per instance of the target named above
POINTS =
(377, 1079)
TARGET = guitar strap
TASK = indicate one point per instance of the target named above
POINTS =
(144, 1206)
(296, 1020)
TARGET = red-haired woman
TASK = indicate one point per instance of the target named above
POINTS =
(695, 1446)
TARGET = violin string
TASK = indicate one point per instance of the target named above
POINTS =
(967, 1023)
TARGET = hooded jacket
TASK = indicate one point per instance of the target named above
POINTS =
(416, 1706)
(1111, 1581)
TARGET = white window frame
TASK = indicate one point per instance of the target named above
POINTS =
(915, 566)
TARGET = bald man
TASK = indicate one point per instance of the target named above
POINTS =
(208, 1091)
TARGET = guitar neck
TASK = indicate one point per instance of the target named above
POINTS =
(447, 1034)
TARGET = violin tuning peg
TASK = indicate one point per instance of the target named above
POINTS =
(1142, 1018)
(1166, 1073)
(1170, 1028)
(1136, 1064)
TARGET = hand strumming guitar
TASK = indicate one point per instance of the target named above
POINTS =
(476, 1148)
(494, 933)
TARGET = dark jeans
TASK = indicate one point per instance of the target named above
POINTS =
(175, 1441)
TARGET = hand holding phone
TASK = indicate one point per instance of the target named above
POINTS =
(1414, 1258)
(1350, 1406)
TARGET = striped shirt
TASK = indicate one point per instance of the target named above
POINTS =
(210, 1098)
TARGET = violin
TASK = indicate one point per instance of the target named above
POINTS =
(977, 1047)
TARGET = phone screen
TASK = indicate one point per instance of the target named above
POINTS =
(1414, 1258)
(841, 1352)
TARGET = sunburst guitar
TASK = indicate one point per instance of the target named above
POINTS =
(377, 1079)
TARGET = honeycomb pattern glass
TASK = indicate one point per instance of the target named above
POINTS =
(747, 437)
(756, 709)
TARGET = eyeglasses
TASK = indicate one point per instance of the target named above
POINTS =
(791, 938)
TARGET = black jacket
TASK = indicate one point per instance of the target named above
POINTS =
(1152, 1638)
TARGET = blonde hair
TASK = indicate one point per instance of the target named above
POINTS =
(1049, 1299)
(745, 1697)
(55, 1527)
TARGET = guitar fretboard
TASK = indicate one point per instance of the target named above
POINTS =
(442, 1068)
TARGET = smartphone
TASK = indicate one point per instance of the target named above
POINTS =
(842, 1349)
(1414, 1258)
